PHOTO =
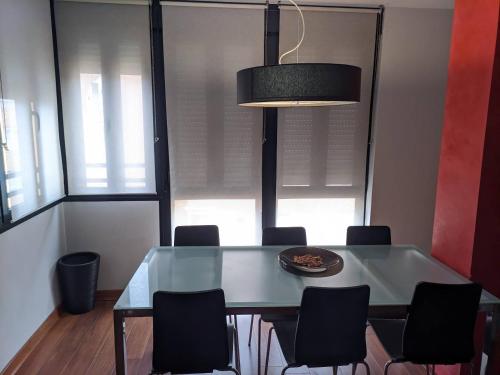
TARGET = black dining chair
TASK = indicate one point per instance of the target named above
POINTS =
(330, 331)
(187, 342)
(368, 235)
(196, 235)
(199, 235)
(276, 236)
(439, 328)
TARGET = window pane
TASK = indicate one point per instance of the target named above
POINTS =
(133, 134)
(93, 130)
(322, 151)
(215, 146)
(28, 110)
(104, 55)
(326, 220)
(12, 157)
(236, 218)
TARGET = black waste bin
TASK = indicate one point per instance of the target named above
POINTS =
(77, 274)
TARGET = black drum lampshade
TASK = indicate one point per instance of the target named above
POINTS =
(300, 84)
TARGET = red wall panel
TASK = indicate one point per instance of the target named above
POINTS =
(467, 215)
(472, 54)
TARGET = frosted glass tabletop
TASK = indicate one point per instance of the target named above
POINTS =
(252, 277)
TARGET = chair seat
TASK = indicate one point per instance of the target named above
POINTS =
(390, 334)
(285, 332)
(271, 318)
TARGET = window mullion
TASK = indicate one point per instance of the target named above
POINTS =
(161, 152)
(5, 213)
(270, 123)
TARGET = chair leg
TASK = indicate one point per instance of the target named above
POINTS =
(284, 370)
(234, 370)
(268, 349)
(335, 370)
(258, 345)
(366, 367)
(250, 334)
(237, 344)
(429, 369)
(354, 367)
(386, 366)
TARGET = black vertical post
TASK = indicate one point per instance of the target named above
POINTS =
(5, 215)
(376, 58)
(62, 143)
(270, 122)
(162, 164)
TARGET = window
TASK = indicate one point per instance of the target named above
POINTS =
(322, 151)
(105, 68)
(30, 160)
(215, 146)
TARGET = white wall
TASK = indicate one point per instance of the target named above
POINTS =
(121, 232)
(29, 251)
(408, 121)
(28, 286)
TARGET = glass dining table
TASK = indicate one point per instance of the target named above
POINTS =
(254, 281)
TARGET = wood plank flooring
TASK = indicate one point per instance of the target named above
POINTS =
(83, 344)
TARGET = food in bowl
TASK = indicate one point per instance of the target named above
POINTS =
(308, 260)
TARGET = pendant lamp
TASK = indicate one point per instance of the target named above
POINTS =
(298, 84)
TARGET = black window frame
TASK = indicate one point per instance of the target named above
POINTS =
(161, 150)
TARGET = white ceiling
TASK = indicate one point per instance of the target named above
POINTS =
(432, 4)
(437, 4)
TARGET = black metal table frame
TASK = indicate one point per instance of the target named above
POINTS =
(394, 311)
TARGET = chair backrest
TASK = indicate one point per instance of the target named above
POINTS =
(331, 326)
(440, 324)
(368, 235)
(189, 332)
(284, 236)
(196, 235)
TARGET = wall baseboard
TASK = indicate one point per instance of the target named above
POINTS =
(110, 295)
(23, 353)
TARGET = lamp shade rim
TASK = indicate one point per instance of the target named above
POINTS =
(302, 65)
(321, 83)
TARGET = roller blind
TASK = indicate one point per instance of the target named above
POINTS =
(28, 108)
(105, 67)
(215, 146)
(322, 151)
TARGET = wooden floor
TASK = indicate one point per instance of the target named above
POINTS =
(83, 344)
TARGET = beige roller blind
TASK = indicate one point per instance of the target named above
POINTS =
(215, 145)
(105, 67)
(322, 151)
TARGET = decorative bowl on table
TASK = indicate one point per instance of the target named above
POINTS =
(308, 259)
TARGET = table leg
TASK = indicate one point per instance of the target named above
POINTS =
(493, 365)
(237, 344)
(120, 345)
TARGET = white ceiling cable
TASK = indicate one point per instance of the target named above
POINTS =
(301, 38)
